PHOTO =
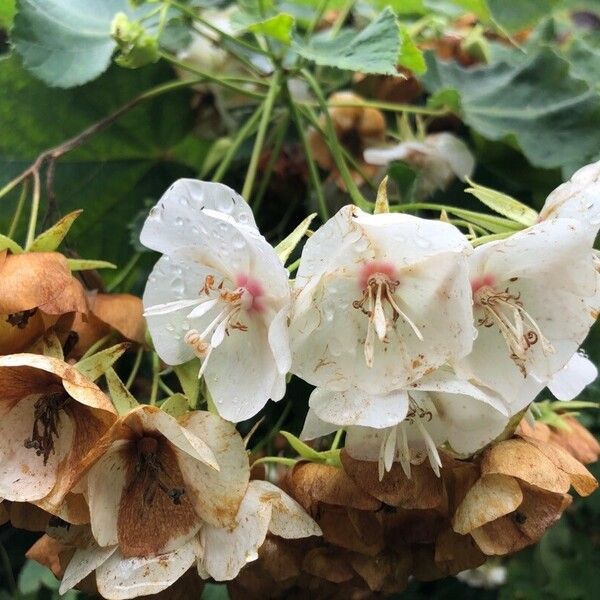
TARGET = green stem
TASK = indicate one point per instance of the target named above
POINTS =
(246, 130)
(18, 210)
(337, 439)
(334, 145)
(294, 266)
(196, 17)
(341, 18)
(96, 346)
(155, 379)
(260, 135)
(275, 429)
(280, 460)
(165, 388)
(222, 81)
(275, 152)
(387, 106)
(125, 271)
(35, 208)
(318, 16)
(313, 171)
(136, 367)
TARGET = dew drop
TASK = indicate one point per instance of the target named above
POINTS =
(170, 328)
(224, 204)
(239, 242)
(179, 222)
(423, 242)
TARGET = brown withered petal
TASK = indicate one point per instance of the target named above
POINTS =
(523, 527)
(385, 572)
(538, 430)
(577, 440)
(362, 534)
(422, 490)
(329, 564)
(4, 516)
(517, 458)
(122, 313)
(458, 479)
(412, 526)
(311, 483)
(492, 497)
(455, 553)
(403, 90)
(581, 479)
(27, 516)
(51, 554)
(39, 280)
(18, 339)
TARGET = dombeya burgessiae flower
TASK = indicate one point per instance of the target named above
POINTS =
(220, 293)
(380, 300)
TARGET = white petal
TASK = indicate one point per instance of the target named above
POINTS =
(181, 216)
(104, 500)
(357, 407)
(384, 156)
(570, 381)
(23, 475)
(288, 519)
(84, 562)
(578, 198)
(315, 427)
(455, 152)
(216, 495)
(226, 551)
(119, 578)
(152, 419)
(280, 342)
(241, 372)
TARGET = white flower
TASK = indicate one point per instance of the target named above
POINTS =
(530, 295)
(570, 381)
(410, 425)
(440, 157)
(219, 293)
(265, 508)
(380, 300)
(578, 198)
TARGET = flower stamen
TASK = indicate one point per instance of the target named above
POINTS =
(378, 292)
(519, 329)
(45, 424)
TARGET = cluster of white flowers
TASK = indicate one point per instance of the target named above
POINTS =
(413, 339)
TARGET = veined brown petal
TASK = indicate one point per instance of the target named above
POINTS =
(149, 522)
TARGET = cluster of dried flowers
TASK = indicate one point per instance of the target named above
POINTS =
(424, 350)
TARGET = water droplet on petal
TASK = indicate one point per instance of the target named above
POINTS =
(224, 204)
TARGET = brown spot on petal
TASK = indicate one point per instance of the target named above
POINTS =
(149, 518)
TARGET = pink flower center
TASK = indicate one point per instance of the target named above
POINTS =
(376, 267)
(253, 293)
(482, 281)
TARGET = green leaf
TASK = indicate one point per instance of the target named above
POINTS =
(303, 450)
(278, 27)
(477, 7)
(375, 49)
(50, 240)
(82, 264)
(187, 373)
(7, 13)
(503, 204)
(65, 43)
(112, 174)
(513, 15)
(7, 244)
(288, 245)
(584, 58)
(553, 117)
(33, 577)
(176, 405)
(410, 56)
(121, 397)
(98, 364)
